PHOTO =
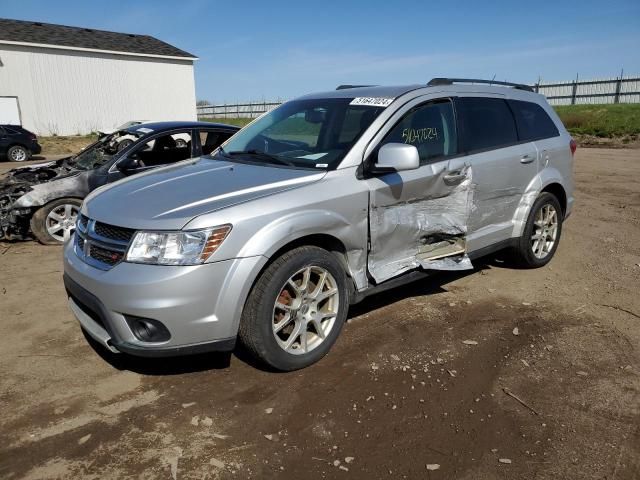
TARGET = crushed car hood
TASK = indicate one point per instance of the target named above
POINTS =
(168, 198)
(34, 174)
(35, 185)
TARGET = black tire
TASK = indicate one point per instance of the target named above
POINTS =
(256, 334)
(18, 153)
(39, 219)
(524, 253)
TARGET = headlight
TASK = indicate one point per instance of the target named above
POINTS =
(176, 248)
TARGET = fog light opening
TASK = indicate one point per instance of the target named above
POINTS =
(147, 329)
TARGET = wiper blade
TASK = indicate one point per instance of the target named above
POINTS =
(264, 155)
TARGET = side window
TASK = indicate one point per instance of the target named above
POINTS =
(532, 121)
(165, 149)
(212, 140)
(487, 123)
(431, 128)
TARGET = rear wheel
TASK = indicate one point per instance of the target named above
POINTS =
(541, 234)
(56, 221)
(296, 309)
(18, 153)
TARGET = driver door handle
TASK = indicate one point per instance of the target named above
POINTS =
(454, 178)
(527, 159)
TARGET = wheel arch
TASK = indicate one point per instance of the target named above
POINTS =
(557, 190)
(325, 241)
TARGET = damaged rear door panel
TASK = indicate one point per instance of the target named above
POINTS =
(419, 218)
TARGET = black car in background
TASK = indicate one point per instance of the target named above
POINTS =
(44, 199)
(17, 144)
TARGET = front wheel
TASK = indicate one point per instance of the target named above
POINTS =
(541, 234)
(296, 309)
(56, 221)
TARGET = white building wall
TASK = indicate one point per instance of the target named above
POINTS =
(65, 92)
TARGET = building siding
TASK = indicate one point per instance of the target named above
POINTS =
(63, 92)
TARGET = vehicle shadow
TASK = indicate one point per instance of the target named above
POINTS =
(221, 360)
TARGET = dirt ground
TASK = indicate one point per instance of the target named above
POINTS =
(497, 373)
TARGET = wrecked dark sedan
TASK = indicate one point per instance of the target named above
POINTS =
(43, 200)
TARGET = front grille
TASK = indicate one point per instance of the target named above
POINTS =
(105, 255)
(101, 245)
(112, 232)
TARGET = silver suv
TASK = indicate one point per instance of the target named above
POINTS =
(312, 207)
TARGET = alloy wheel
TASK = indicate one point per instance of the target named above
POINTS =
(61, 221)
(305, 310)
(18, 155)
(545, 231)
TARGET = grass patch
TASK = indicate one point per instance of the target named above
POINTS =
(604, 121)
(240, 122)
(58, 145)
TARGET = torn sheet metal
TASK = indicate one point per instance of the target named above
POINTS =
(400, 230)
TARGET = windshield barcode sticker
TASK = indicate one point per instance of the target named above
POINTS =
(372, 101)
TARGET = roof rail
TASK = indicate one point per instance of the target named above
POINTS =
(345, 87)
(450, 81)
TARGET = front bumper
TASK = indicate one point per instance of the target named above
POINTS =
(35, 148)
(199, 305)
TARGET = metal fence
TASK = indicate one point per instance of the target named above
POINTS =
(622, 89)
(236, 110)
(576, 92)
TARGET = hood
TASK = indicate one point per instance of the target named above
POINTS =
(38, 173)
(168, 198)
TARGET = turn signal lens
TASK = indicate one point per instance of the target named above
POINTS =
(216, 237)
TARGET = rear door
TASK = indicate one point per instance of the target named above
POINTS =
(503, 166)
(417, 217)
(535, 125)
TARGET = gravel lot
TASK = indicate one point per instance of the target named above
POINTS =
(494, 373)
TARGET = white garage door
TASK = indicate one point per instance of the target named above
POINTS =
(9, 111)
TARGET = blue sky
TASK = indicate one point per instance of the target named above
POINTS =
(251, 50)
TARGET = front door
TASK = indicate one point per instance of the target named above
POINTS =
(418, 218)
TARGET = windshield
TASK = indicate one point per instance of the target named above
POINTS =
(315, 133)
(104, 149)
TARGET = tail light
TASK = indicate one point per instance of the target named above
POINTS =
(573, 145)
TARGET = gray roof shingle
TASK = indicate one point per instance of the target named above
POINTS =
(76, 37)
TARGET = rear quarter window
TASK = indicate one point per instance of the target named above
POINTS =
(532, 121)
(487, 123)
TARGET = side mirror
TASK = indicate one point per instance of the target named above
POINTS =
(396, 157)
(129, 165)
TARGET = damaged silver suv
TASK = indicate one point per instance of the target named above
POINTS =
(327, 199)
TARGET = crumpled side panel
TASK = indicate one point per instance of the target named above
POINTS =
(398, 231)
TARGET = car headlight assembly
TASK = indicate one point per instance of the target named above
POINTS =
(191, 247)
